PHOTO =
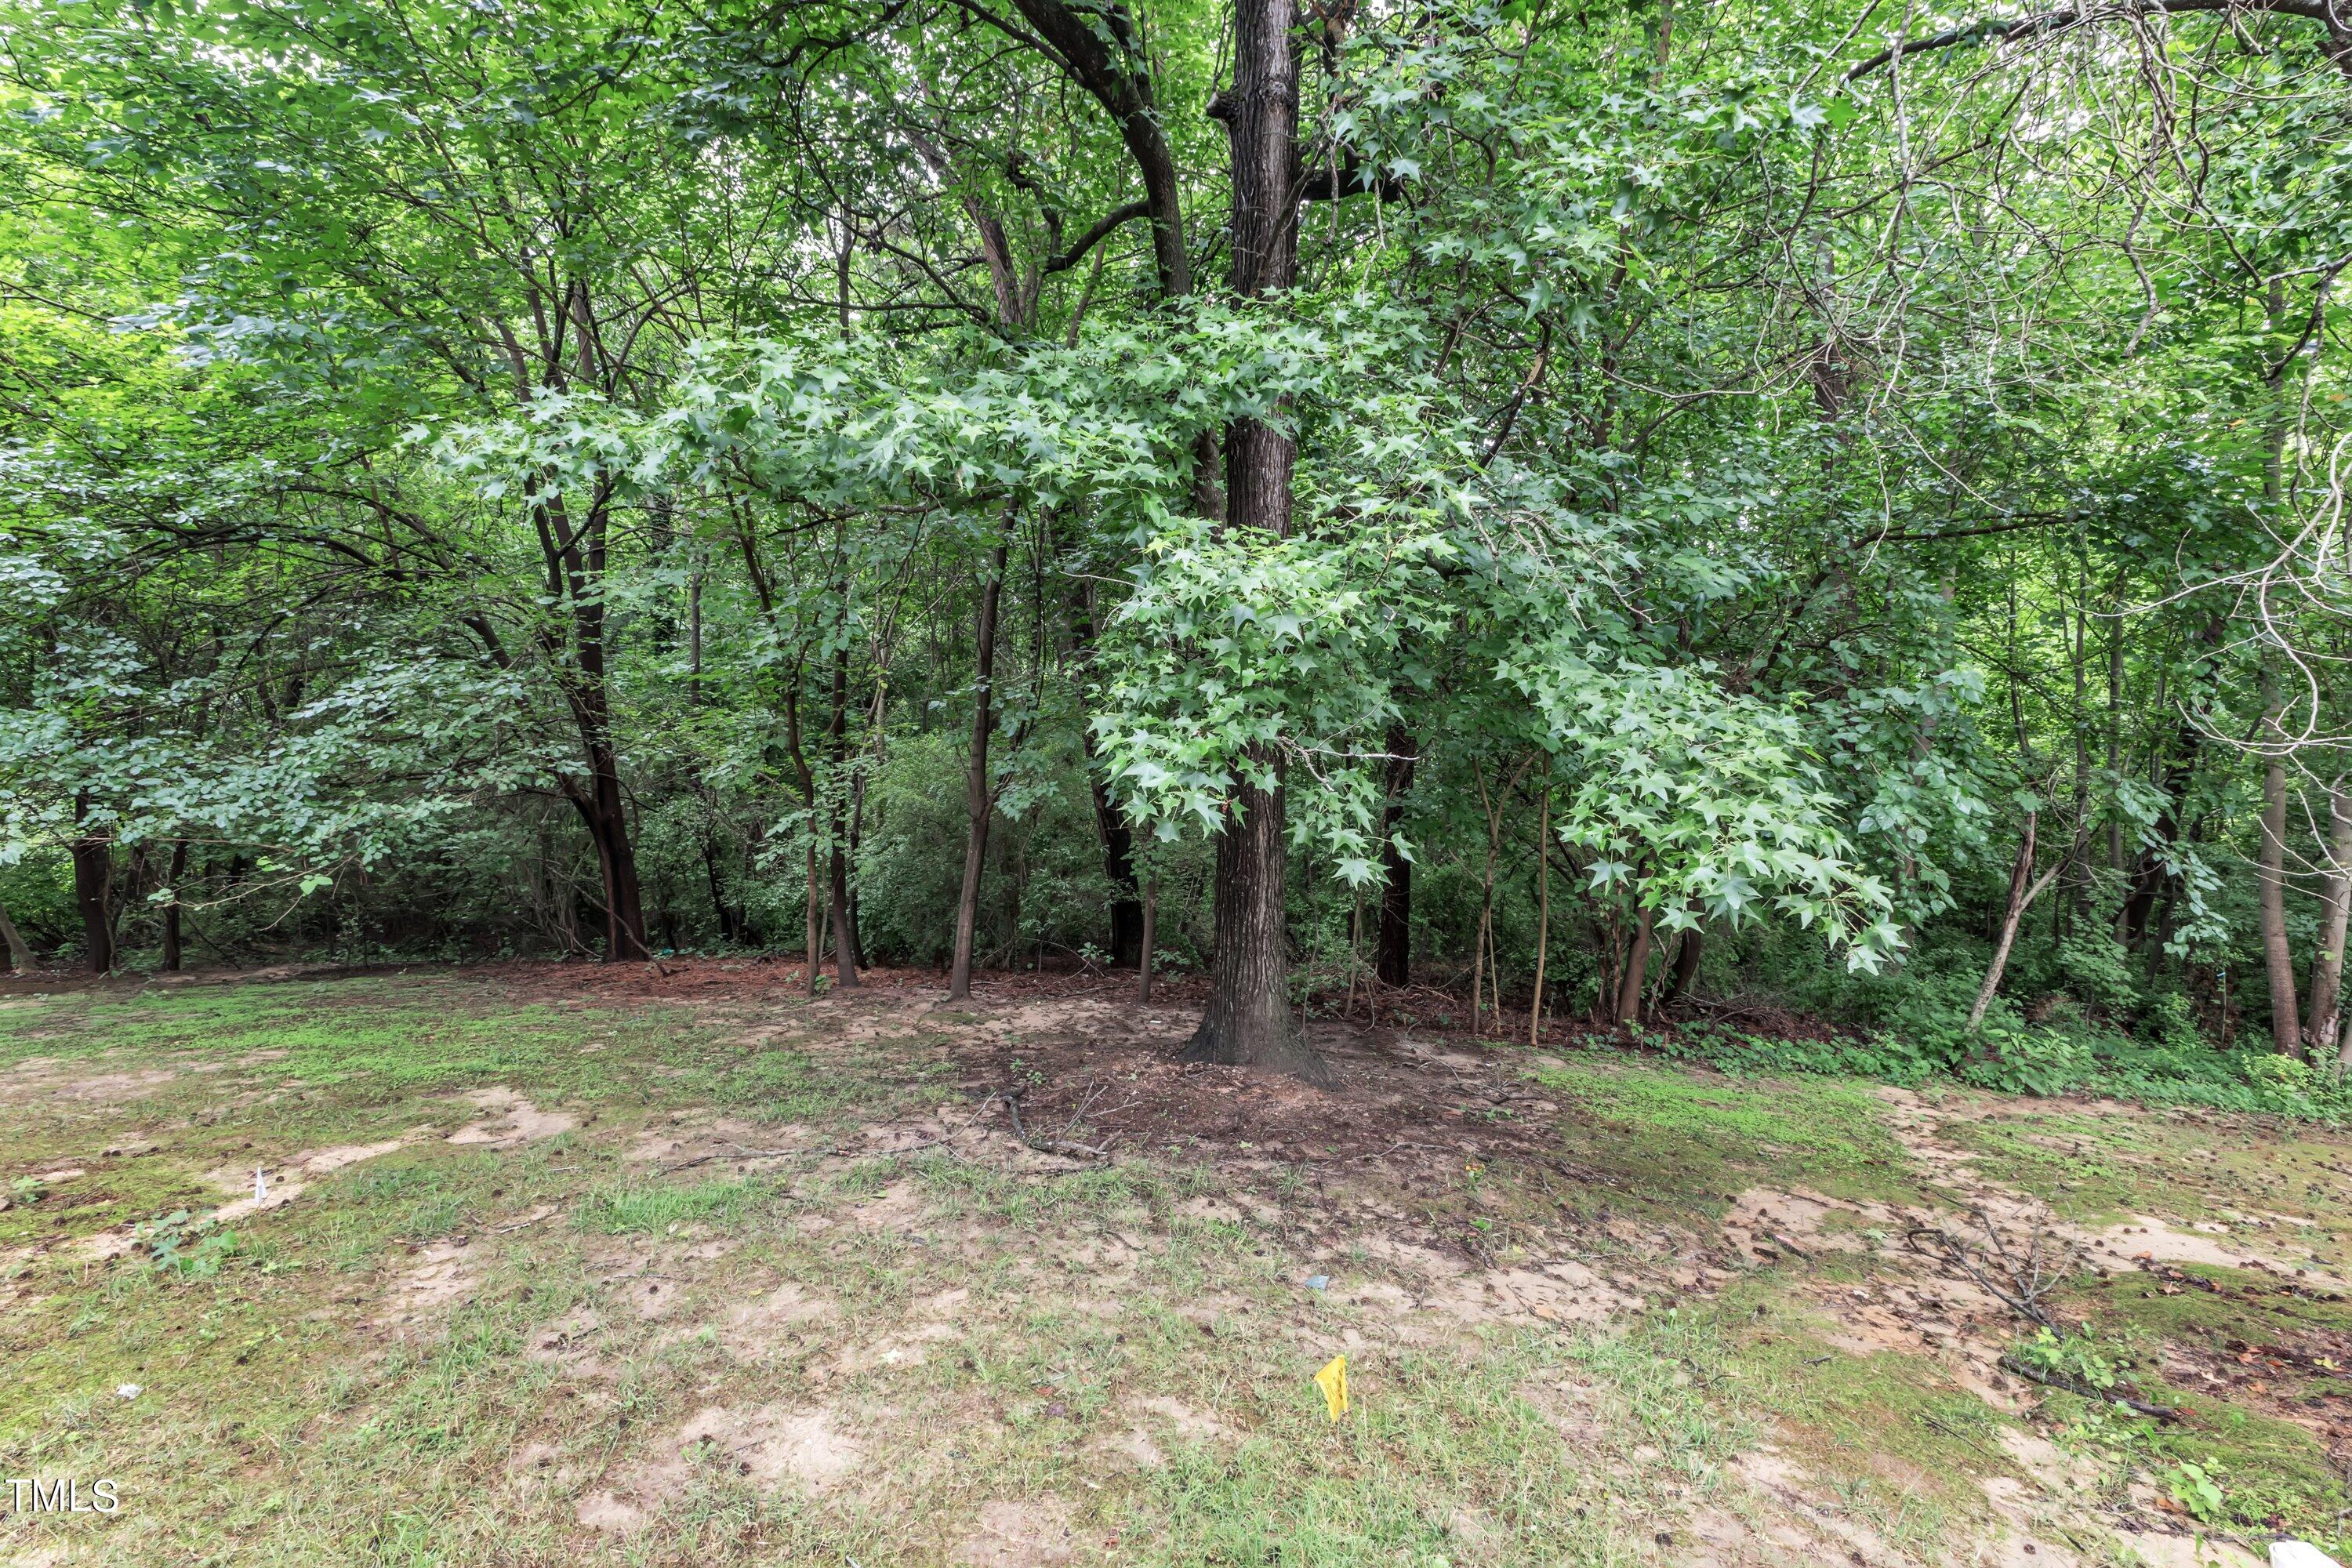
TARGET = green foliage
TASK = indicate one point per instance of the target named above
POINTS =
(185, 1247)
(454, 476)
(2197, 1491)
(2073, 1358)
(1698, 806)
(1894, 1056)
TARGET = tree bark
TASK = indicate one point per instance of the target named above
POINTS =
(1637, 968)
(1543, 911)
(179, 867)
(1394, 962)
(604, 814)
(980, 794)
(732, 926)
(2278, 958)
(575, 561)
(20, 956)
(845, 935)
(1143, 957)
(1127, 903)
(2115, 723)
(2326, 1019)
(93, 866)
(575, 571)
(816, 915)
(2023, 890)
(2148, 874)
(1687, 958)
(1100, 46)
(1111, 829)
(1248, 1019)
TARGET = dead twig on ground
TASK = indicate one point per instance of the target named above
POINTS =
(2075, 1385)
(2018, 1283)
(1067, 1148)
(736, 1152)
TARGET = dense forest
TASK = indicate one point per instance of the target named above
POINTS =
(1611, 513)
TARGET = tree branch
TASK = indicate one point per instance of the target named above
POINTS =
(1101, 231)
(1994, 31)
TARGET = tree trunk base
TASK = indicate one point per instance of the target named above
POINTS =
(1278, 1050)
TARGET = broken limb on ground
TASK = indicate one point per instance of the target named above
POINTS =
(556, 1265)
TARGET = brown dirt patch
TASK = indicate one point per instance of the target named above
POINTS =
(46, 1079)
(570, 1344)
(771, 1448)
(688, 1137)
(443, 1275)
(513, 1123)
(2149, 1239)
(281, 1184)
(1029, 1533)
(784, 1315)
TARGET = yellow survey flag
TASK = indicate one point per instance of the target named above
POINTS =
(1333, 1381)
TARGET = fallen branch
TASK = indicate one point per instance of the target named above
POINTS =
(1067, 1147)
(2075, 1385)
(2029, 1280)
(739, 1152)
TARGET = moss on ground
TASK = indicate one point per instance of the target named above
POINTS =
(1688, 1135)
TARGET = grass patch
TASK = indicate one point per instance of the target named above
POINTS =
(980, 1335)
(1693, 1134)
(1442, 1460)
(724, 1201)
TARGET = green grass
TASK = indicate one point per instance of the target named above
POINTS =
(291, 1410)
(651, 1209)
(1696, 1135)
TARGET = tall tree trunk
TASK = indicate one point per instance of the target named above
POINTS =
(1143, 957)
(1686, 959)
(2278, 958)
(604, 814)
(2326, 1019)
(576, 565)
(1637, 967)
(844, 938)
(1248, 1019)
(1111, 829)
(1482, 949)
(1127, 901)
(730, 924)
(179, 868)
(816, 915)
(1543, 908)
(2149, 877)
(20, 956)
(2078, 859)
(980, 794)
(93, 866)
(1394, 962)
(2023, 891)
(2116, 724)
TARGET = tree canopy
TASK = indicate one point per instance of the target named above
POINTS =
(1610, 511)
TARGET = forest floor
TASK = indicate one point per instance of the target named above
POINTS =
(562, 1266)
